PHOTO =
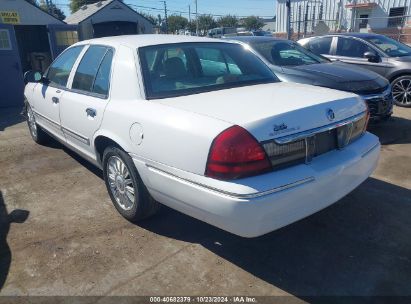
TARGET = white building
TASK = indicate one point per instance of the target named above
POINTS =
(109, 18)
(354, 15)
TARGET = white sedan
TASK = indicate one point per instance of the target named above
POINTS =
(204, 127)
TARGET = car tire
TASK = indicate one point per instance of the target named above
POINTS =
(125, 187)
(401, 90)
(37, 133)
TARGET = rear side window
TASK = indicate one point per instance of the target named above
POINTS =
(59, 71)
(320, 46)
(351, 48)
(93, 72)
(102, 82)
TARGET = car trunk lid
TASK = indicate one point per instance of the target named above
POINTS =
(269, 111)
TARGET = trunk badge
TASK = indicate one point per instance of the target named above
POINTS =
(330, 114)
(281, 127)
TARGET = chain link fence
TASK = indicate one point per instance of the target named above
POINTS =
(316, 17)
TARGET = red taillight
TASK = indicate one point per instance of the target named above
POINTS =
(235, 153)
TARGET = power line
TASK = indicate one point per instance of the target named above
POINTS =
(187, 13)
(158, 9)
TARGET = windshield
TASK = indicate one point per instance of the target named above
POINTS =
(189, 68)
(389, 46)
(286, 53)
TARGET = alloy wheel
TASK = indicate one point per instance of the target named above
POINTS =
(401, 91)
(121, 183)
(31, 122)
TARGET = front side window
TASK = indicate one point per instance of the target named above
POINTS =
(348, 47)
(93, 72)
(59, 71)
(199, 67)
(390, 46)
(320, 46)
(284, 53)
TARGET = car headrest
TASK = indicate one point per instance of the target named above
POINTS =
(174, 68)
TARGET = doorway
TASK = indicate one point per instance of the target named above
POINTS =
(34, 47)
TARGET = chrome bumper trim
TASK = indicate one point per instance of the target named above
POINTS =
(301, 135)
(231, 194)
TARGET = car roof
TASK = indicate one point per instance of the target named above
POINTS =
(249, 39)
(136, 41)
(357, 35)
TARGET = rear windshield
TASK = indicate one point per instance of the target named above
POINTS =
(188, 68)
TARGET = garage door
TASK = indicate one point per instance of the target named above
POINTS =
(114, 28)
(11, 75)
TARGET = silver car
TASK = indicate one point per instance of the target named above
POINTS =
(387, 57)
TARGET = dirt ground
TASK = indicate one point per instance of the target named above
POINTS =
(65, 237)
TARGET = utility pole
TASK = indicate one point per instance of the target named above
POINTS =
(189, 13)
(196, 18)
(165, 15)
(299, 22)
(288, 29)
(48, 6)
(51, 8)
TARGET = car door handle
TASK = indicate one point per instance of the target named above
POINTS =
(91, 112)
(55, 100)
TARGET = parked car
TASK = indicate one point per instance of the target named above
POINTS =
(218, 32)
(204, 127)
(262, 33)
(378, 53)
(292, 63)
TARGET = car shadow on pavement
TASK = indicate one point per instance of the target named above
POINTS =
(396, 130)
(16, 216)
(10, 117)
(359, 246)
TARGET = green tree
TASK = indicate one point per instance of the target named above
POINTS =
(54, 10)
(176, 23)
(150, 17)
(253, 23)
(228, 21)
(206, 22)
(192, 26)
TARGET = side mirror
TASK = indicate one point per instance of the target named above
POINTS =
(372, 57)
(32, 76)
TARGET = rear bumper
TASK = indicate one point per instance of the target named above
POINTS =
(254, 206)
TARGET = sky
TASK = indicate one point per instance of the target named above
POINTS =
(262, 8)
